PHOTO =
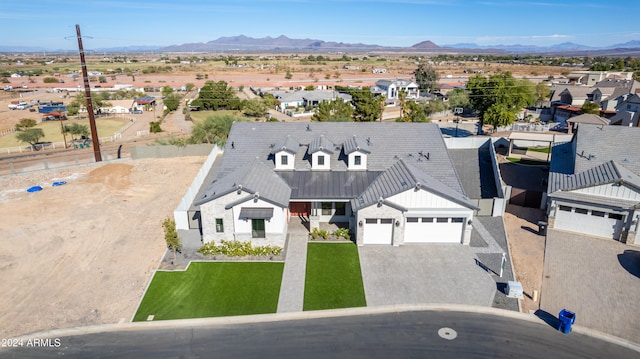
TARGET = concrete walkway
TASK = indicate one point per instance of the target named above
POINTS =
(292, 287)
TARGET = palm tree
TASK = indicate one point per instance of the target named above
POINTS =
(402, 96)
(382, 101)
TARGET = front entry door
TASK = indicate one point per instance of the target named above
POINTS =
(257, 228)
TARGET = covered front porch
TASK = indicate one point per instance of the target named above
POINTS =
(324, 215)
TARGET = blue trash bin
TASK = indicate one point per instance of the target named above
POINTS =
(566, 319)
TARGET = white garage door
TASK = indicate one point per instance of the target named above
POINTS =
(378, 231)
(433, 230)
(587, 221)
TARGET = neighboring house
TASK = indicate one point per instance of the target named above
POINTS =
(575, 95)
(594, 183)
(306, 98)
(587, 118)
(117, 106)
(391, 88)
(590, 78)
(142, 102)
(628, 112)
(288, 99)
(390, 183)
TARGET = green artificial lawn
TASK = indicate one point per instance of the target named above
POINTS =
(524, 161)
(213, 290)
(539, 149)
(333, 277)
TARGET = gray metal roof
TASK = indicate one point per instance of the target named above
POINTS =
(605, 173)
(255, 213)
(254, 178)
(598, 200)
(417, 144)
(389, 141)
(401, 177)
(597, 144)
(287, 144)
(356, 144)
(327, 184)
(589, 118)
(323, 144)
(475, 171)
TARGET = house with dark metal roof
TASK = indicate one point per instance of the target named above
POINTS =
(594, 183)
(389, 183)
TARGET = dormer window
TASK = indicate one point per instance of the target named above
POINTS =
(357, 150)
(320, 150)
(284, 153)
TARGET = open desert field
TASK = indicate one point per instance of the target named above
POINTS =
(248, 70)
(82, 253)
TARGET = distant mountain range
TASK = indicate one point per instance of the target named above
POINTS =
(283, 43)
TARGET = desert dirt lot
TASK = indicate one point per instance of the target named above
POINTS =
(82, 253)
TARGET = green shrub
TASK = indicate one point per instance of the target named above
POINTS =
(50, 80)
(154, 127)
(315, 233)
(324, 234)
(238, 249)
(342, 233)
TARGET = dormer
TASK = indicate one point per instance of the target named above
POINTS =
(284, 153)
(356, 150)
(321, 150)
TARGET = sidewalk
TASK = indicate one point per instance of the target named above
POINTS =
(293, 276)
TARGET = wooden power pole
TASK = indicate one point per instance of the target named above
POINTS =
(87, 91)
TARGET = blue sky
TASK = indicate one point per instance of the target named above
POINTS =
(112, 23)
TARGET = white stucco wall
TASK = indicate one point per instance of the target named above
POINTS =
(235, 228)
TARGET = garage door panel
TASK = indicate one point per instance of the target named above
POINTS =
(433, 230)
(378, 231)
(590, 222)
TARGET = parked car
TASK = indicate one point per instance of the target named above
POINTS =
(137, 112)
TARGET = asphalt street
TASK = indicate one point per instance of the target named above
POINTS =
(404, 334)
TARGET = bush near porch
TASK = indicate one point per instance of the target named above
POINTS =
(333, 277)
(213, 290)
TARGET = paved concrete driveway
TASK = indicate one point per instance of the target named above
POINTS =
(414, 274)
(598, 279)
